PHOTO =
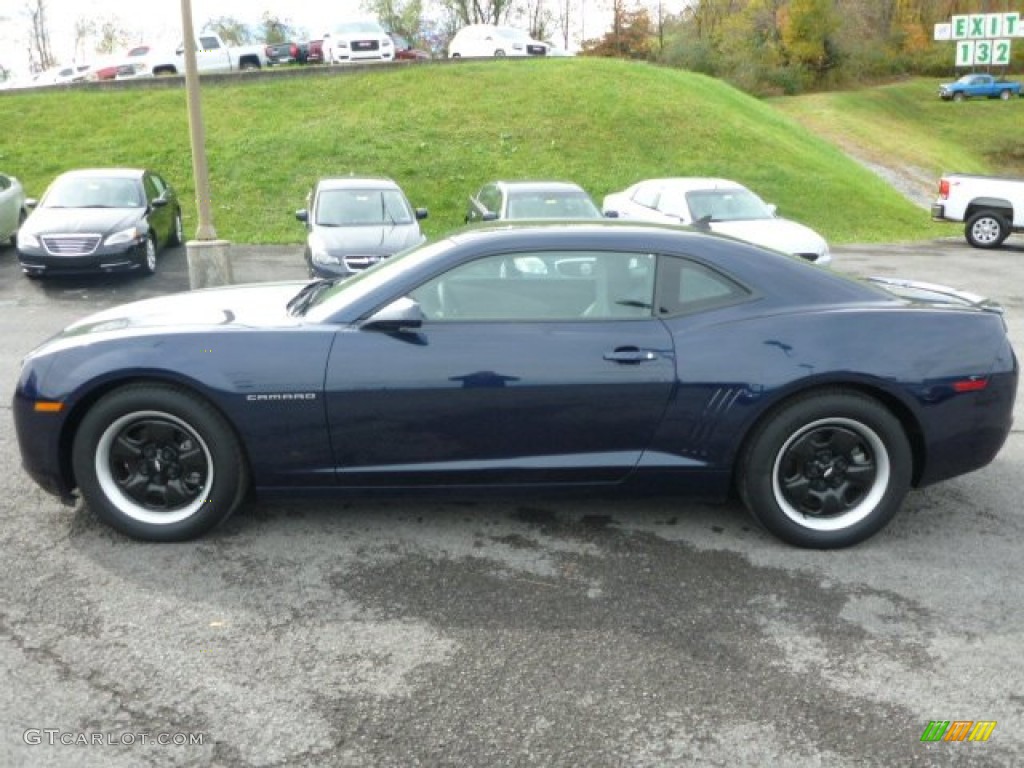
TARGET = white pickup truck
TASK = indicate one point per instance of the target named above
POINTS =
(990, 207)
(212, 55)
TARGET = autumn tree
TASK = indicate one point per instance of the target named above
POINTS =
(231, 30)
(629, 37)
(807, 28)
(403, 17)
(274, 29)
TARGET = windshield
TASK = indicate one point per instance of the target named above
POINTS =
(333, 298)
(512, 33)
(558, 205)
(93, 192)
(727, 205)
(361, 208)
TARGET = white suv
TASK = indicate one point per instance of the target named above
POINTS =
(355, 41)
(491, 40)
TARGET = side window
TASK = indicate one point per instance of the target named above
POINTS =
(672, 203)
(686, 286)
(151, 191)
(4, 183)
(207, 43)
(490, 198)
(542, 286)
(159, 184)
(647, 196)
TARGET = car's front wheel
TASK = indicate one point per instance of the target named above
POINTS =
(149, 256)
(158, 463)
(986, 229)
(1004, 95)
(827, 470)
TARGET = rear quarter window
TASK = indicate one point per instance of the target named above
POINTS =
(686, 286)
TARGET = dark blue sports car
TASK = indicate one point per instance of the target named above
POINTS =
(589, 355)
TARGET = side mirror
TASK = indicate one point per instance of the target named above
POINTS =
(159, 202)
(611, 214)
(302, 215)
(31, 203)
(773, 209)
(400, 315)
(421, 213)
(489, 216)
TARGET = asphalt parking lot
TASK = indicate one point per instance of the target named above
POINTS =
(543, 632)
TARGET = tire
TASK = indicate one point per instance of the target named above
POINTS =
(149, 260)
(499, 54)
(177, 231)
(986, 229)
(158, 463)
(21, 220)
(1004, 95)
(826, 470)
(959, 96)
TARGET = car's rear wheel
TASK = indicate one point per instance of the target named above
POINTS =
(986, 229)
(158, 463)
(149, 258)
(21, 220)
(959, 96)
(1004, 95)
(826, 470)
(178, 231)
(499, 53)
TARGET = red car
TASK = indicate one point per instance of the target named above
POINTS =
(404, 50)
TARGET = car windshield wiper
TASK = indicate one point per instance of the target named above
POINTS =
(301, 301)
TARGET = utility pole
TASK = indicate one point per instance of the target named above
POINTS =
(209, 259)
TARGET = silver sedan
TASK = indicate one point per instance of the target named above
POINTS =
(12, 207)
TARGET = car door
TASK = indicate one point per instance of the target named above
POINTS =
(528, 368)
(8, 207)
(160, 217)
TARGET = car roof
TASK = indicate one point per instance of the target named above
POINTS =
(690, 183)
(128, 173)
(356, 182)
(529, 185)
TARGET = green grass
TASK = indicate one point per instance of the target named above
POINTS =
(441, 131)
(908, 121)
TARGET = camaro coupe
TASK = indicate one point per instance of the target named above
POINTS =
(628, 355)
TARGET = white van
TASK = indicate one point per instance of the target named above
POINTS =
(492, 40)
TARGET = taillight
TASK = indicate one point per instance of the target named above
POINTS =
(944, 189)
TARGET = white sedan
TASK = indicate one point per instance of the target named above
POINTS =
(720, 205)
(12, 207)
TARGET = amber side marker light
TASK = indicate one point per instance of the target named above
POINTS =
(969, 385)
(47, 406)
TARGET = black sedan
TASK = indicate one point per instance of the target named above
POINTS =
(100, 220)
(625, 356)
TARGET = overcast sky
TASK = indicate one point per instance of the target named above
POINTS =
(155, 21)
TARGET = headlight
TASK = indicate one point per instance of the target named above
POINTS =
(124, 236)
(25, 240)
(343, 44)
(322, 257)
(386, 43)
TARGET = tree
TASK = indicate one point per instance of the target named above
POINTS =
(807, 28)
(402, 17)
(479, 11)
(40, 55)
(273, 29)
(111, 36)
(231, 30)
(84, 29)
(629, 37)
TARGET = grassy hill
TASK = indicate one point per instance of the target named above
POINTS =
(442, 130)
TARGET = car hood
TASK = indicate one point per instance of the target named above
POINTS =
(384, 240)
(45, 221)
(259, 305)
(778, 234)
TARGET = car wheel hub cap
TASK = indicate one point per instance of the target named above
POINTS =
(831, 474)
(154, 467)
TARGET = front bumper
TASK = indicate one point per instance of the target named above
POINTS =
(119, 258)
